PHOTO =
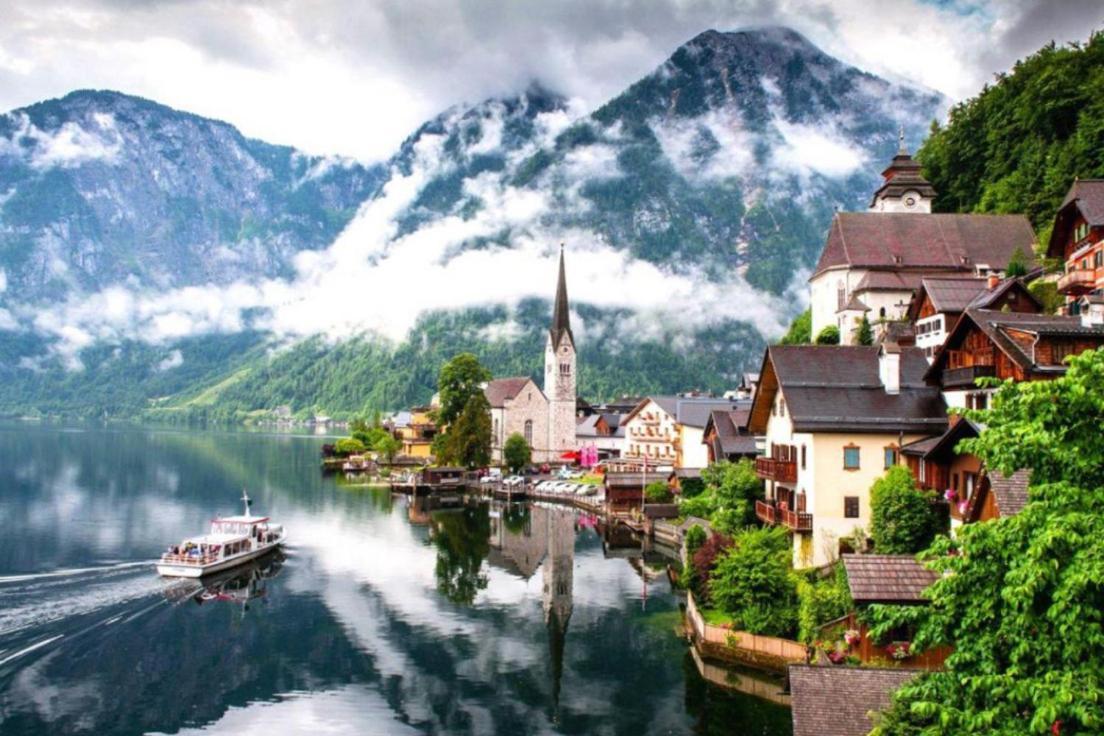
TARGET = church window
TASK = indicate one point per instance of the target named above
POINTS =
(529, 432)
(881, 312)
(496, 428)
(841, 293)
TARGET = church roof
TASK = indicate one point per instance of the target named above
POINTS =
(561, 316)
(903, 175)
(501, 390)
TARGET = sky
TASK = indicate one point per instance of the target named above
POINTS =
(354, 78)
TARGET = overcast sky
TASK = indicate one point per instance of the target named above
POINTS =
(354, 77)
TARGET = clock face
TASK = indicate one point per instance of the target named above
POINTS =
(910, 201)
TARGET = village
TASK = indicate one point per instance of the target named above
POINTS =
(915, 320)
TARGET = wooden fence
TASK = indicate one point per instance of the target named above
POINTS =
(717, 642)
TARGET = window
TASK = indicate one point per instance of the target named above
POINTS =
(1098, 259)
(881, 312)
(1059, 351)
(850, 507)
(841, 296)
(803, 457)
(529, 432)
(890, 457)
(781, 407)
(496, 429)
(851, 458)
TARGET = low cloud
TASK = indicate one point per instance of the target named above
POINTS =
(72, 144)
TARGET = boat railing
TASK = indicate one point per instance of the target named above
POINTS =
(183, 559)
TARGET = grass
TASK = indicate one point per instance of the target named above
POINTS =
(715, 617)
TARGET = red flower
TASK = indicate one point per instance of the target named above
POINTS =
(1056, 728)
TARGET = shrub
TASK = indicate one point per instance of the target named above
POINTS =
(657, 492)
(903, 518)
(516, 452)
(828, 336)
(348, 446)
(821, 600)
(704, 562)
(753, 582)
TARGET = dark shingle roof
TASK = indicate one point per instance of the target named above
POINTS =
(953, 295)
(838, 388)
(905, 241)
(1089, 194)
(500, 390)
(732, 437)
(1010, 491)
(943, 446)
(693, 411)
(837, 701)
(889, 281)
(886, 578)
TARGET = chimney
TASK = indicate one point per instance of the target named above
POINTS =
(994, 281)
(889, 367)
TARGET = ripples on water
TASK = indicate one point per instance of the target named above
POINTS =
(383, 617)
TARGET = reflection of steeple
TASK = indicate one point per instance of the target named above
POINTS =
(558, 582)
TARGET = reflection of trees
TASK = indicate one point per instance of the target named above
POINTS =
(717, 711)
(516, 518)
(462, 541)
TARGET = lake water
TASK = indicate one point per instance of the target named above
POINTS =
(381, 618)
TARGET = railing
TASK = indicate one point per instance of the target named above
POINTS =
(1077, 281)
(966, 377)
(766, 511)
(188, 559)
(769, 468)
(799, 521)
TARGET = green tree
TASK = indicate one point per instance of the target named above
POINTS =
(657, 492)
(903, 520)
(821, 600)
(1017, 264)
(387, 446)
(468, 439)
(801, 330)
(462, 544)
(1047, 294)
(1020, 598)
(865, 334)
(516, 452)
(459, 380)
(728, 501)
(349, 446)
(753, 582)
(828, 336)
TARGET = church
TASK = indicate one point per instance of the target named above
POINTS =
(545, 418)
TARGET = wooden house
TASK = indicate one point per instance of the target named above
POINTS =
(1077, 240)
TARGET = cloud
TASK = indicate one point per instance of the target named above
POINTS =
(175, 359)
(69, 146)
(808, 149)
(352, 78)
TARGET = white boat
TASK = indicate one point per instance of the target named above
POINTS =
(232, 541)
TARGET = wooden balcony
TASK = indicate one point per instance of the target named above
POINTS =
(769, 468)
(1077, 281)
(766, 511)
(769, 512)
(966, 377)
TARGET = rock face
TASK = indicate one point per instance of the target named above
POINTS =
(725, 163)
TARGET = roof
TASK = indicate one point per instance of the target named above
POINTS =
(691, 411)
(1085, 197)
(953, 295)
(837, 388)
(837, 701)
(731, 436)
(855, 304)
(993, 297)
(997, 325)
(1010, 491)
(888, 281)
(240, 519)
(886, 578)
(561, 315)
(501, 390)
(907, 241)
(944, 445)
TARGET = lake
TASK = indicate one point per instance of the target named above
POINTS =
(381, 616)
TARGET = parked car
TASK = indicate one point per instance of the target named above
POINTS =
(488, 479)
(513, 481)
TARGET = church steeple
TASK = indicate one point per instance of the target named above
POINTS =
(561, 316)
(905, 189)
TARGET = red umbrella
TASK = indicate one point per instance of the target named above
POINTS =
(570, 456)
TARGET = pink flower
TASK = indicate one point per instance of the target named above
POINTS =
(950, 494)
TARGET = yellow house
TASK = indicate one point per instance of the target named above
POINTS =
(416, 430)
(835, 418)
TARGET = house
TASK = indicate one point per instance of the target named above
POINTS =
(834, 418)
(625, 488)
(726, 436)
(670, 429)
(872, 262)
(885, 579)
(937, 465)
(999, 496)
(841, 701)
(940, 301)
(415, 429)
(518, 406)
(603, 431)
(1077, 239)
(986, 343)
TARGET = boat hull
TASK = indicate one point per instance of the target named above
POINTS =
(177, 570)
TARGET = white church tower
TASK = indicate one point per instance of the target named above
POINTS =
(559, 373)
(904, 188)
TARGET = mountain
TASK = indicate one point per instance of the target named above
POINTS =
(159, 262)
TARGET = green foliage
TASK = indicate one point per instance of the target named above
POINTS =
(1018, 145)
(657, 492)
(753, 582)
(349, 446)
(459, 380)
(728, 500)
(703, 563)
(468, 441)
(1019, 598)
(691, 487)
(387, 446)
(695, 538)
(516, 452)
(1047, 294)
(1017, 264)
(801, 330)
(828, 336)
(461, 540)
(821, 600)
(865, 335)
(903, 517)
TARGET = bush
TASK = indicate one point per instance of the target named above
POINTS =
(753, 582)
(348, 446)
(865, 333)
(657, 492)
(728, 501)
(704, 562)
(828, 336)
(516, 452)
(800, 332)
(821, 600)
(691, 487)
(903, 518)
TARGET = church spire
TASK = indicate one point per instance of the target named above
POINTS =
(561, 317)
(902, 149)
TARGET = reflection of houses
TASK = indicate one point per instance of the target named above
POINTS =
(1077, 239)
(726, 435)
(670, 429)
(834, 419)
(522, 550)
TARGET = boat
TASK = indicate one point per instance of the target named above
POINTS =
(232, 541)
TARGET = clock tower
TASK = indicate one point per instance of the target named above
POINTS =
(559, 373)
(905, 189)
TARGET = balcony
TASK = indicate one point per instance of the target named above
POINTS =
(1077, 281)
(769, 512)
(769, 468)
(966, 377)
(766, 511)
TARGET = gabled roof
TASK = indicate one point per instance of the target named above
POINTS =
(731, 435)
(690, 411)
(501, 390)
(944, 445)
(835, 388)
(1085, 197)
(991, 298)
(886, 578)
(921, 241)
(950, 294)
(838, 701)
(1010, 491)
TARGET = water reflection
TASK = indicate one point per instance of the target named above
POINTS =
(385, 615)
(238, 585)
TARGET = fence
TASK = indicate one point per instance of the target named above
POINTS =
(717, 642)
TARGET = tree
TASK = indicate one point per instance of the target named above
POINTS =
(1020, 598)
(387, 446)
(657, 492)
(348, 446)
(1017, 264)
(753, 582)
(865, 333)
(801, 329)
(703, 562)
(468, 440)
(459, 380)
(516, 452)
(903, 520)
(728, 501)
(820, 600)
(828, 336)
